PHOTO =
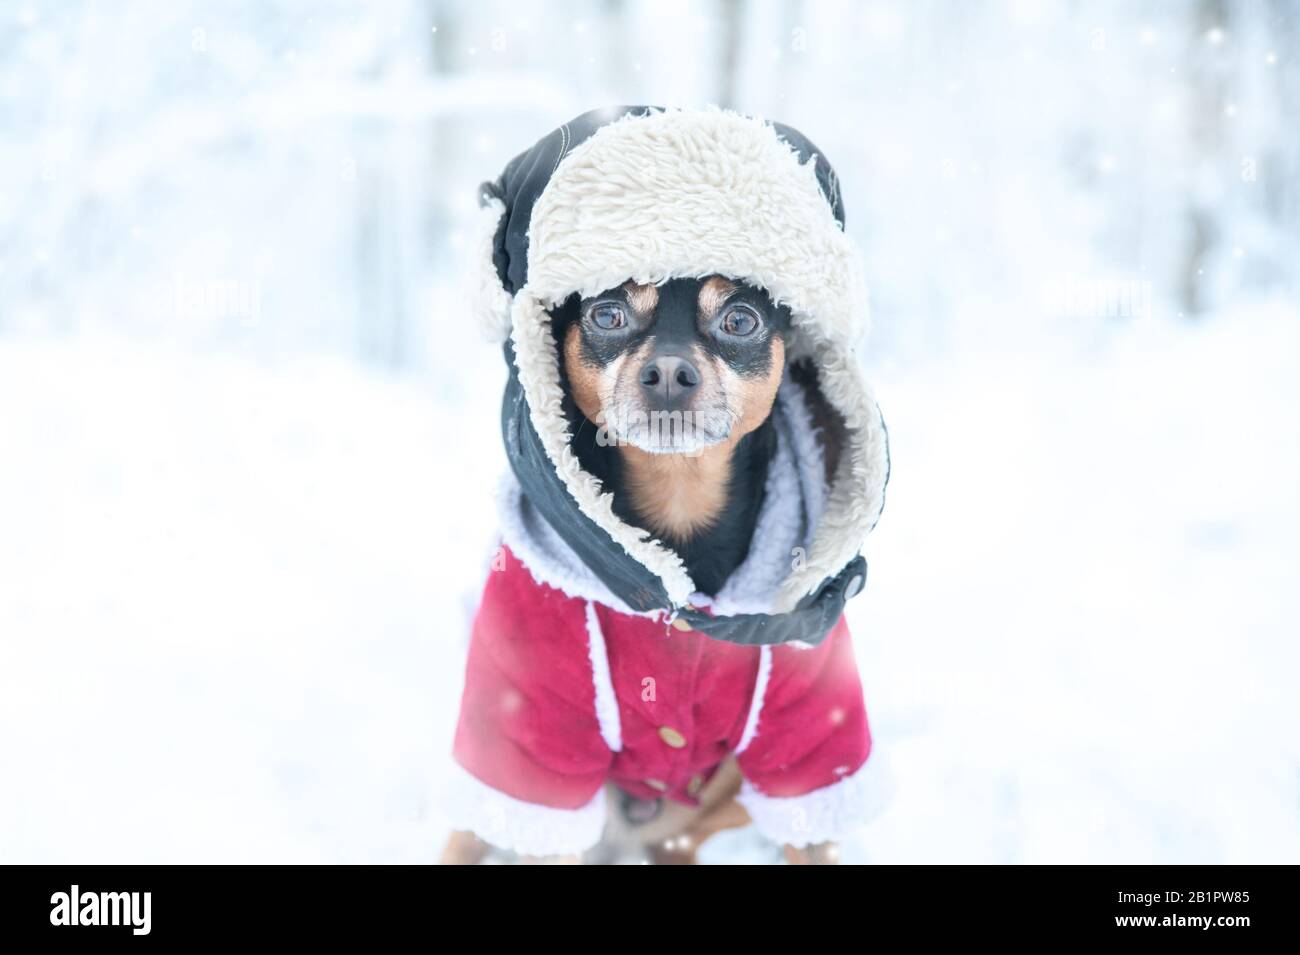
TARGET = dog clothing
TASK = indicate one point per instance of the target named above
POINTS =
(563, 695)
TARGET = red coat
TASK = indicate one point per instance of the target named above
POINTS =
(563, 695)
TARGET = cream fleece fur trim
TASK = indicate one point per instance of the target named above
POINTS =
(858, 488)
(514, 825)
(491, 301)
(611, 725)
(756, 702)
(693, 193)
(823, 815)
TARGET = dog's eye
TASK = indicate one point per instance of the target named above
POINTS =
(740, 320)
(607, 316)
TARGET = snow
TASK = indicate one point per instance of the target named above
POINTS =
(233, 602)
(1079, 634)
(236, 596)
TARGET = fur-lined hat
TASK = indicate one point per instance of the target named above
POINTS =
(647, 195)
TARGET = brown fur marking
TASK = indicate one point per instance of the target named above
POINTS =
(754, 397)
(678, 495)
(593, 387)
(644, 299)
(713, 295)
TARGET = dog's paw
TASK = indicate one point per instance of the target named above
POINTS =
(823, 853)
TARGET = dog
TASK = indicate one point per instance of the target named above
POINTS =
(660, 651)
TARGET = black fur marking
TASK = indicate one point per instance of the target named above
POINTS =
(749, 356)
(712, 555)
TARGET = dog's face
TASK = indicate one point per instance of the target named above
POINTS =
(678, 367)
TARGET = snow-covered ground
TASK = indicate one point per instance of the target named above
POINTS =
(233, 601)
(1080, 633)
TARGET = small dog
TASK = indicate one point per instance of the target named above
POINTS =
(695, 461)
(670, 390)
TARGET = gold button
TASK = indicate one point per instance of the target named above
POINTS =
(681, 624)
(656, 784)
(673, 738)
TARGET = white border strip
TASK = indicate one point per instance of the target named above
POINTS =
(523, 827)
(611, 728)
(756, 704)
(823, 815)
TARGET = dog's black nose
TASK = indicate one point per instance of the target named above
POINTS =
(668, 377)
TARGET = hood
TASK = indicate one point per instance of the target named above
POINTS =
(644, 194)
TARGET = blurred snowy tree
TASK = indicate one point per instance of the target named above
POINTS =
(162, 161)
